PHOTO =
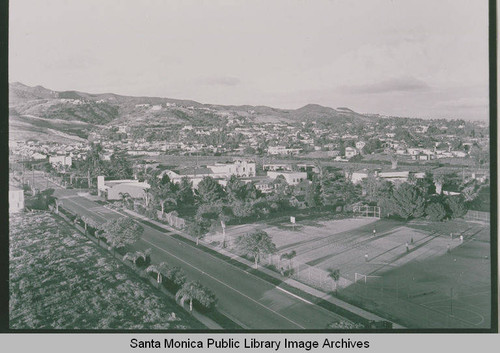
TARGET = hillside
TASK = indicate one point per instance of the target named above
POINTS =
(38, 108)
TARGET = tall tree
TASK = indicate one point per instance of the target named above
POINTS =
(210, 191)
(120, 167)
(376, 188)
(335, 189)
(94, 163)
(406, 201)
(237, 190)
(242, 209)
(281, 187)
(185, 195)
(163, 191)
(435, 211)
(197, 229)
(313, 193)
(426, 185)
(456, 206)
(257, 243)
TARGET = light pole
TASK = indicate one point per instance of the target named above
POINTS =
(451, 301)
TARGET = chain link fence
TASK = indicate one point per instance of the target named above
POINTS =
(477, 216)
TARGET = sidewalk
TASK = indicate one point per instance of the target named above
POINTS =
(288, 282)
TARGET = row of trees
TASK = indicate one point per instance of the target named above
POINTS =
(420, 197)
(82, 173)
(175, 280)
(331, 189)
(407, 201)
(239, 200)
(120, 232)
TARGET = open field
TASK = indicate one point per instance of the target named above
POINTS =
(60, 280)
(20, 130)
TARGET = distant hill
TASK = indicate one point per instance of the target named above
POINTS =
(19, 93)
(315, 112)
(107, 108)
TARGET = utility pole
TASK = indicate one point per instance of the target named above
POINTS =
(22, 171)
(451, 301)
(33, 178)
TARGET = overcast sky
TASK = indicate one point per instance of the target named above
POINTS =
(410, 58)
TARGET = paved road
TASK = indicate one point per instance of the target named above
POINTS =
(245, 298)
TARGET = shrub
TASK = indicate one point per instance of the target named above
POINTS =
(206, 302)
(139, 208)
(174, 278)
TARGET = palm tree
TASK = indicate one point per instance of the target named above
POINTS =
(158, 269)
(166, 199)
(190, 291)
(143, 255)
(196, 229)
(131, 256)
(58, 203)
(334, 274)
(147, 197)
(93, 162)
(88, 222)
(125, 196)
(439, 180)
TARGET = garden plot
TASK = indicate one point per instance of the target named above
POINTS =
(60, 280)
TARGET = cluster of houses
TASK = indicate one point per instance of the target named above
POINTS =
(278, 138)
(221, 172)
(246, 171)
(56, 153)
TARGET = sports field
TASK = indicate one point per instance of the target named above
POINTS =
(420, 274)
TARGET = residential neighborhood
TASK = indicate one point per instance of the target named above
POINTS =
(304, 188)
(271, 168)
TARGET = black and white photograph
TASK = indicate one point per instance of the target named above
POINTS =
(240, 166)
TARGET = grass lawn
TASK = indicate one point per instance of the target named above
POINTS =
(439, 281)
(435, 289)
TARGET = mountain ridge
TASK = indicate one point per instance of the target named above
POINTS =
(40, 110)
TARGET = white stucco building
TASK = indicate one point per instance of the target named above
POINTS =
(16, 199)
(114, 189)
(239, 168)
(62, 160)
(292, 178)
